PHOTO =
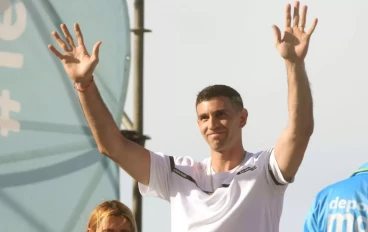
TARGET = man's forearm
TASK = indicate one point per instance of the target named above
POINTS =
(103, 127)
(130, 156)
(299, 99)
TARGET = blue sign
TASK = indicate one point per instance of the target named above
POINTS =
(51, 173)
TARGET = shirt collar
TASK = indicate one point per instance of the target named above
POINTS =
(363, 168)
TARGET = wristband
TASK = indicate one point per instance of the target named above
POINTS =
(85, 88)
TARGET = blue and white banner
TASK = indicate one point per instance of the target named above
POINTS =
(51, 174)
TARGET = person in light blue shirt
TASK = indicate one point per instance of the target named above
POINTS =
(342, 206)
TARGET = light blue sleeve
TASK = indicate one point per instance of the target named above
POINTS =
(311, 222)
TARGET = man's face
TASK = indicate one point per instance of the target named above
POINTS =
(115, 224)
(221, 122)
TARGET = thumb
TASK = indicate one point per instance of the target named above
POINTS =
(95, 51)
(277, 33)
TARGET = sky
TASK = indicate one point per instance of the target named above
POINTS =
(199, 43)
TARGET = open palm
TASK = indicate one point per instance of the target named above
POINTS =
(78, 64)
(294, 44)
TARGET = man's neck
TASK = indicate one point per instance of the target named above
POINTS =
(227, 160)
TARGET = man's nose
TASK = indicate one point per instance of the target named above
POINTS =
(213, 123)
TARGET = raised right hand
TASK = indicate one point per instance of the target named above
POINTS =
(78, 64)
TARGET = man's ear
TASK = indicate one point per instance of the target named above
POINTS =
(243, 117)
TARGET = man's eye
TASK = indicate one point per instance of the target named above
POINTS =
(220, 114)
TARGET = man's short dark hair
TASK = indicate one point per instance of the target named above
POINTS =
(214, 91)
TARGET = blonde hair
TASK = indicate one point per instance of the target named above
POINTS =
(108, 209)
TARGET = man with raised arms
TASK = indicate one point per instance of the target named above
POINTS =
(233, 189)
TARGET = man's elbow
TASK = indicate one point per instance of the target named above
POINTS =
(309, 129)
(112, 151)
(112, 146)
(102, 150)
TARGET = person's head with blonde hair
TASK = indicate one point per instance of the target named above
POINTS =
(112, 216)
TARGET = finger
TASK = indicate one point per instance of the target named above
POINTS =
(55, 51)
(288, 15)
(96, 50)
(296, 14)
(79, 34)
(303, 17)
(61, 42)
(313, 26)
(68, 37)
(277, 33)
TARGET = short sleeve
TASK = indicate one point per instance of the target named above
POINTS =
(272, 169)
(159, 183)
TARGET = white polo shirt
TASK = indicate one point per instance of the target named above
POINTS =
(248, 198)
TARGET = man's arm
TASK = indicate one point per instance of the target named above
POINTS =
(293, 47)
(131, 157)
(79, 66)
(291, 146)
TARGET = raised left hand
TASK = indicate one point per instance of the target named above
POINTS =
(294, 45)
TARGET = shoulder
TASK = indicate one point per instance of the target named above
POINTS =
(184, 161)
(259, 157)
(265, 162)
(331, 195)
(178, 162)
(253, 161)
(333, 189)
